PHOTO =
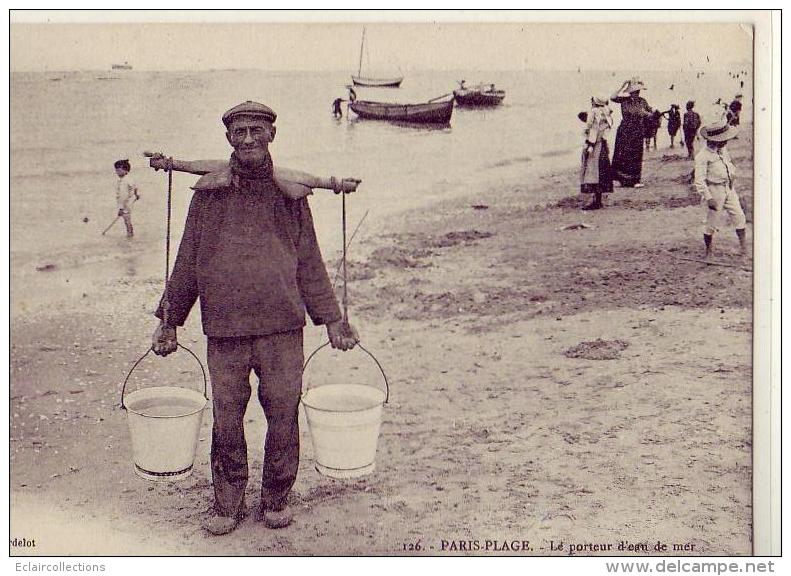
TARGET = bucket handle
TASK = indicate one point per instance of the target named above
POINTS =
(361, 347)
(139, 360)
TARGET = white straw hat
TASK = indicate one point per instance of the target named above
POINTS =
(719, 131)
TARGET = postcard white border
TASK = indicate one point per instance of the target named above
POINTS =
(767, 281)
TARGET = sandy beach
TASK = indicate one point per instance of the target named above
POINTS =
(550, 383)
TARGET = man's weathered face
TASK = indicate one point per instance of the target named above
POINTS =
(250, 138)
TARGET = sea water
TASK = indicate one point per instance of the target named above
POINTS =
(68, 128)
(338, 398)
(165, 406)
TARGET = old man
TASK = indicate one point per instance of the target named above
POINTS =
(249, 253)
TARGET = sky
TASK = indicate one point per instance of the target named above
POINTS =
(392, 47)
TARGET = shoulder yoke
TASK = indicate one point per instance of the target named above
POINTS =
(214, 180)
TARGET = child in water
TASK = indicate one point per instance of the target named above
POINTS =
(125, 191)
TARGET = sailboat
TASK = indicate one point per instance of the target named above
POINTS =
(360, 80)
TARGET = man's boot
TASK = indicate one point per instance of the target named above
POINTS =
(278, 518)
(275, 518)
(220, 525)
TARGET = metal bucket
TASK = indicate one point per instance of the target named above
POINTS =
(344, 422)
(164, 424)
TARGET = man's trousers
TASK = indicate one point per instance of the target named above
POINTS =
(277, 361)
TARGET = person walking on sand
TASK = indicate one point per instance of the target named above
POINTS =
(249, 253)
(627, 160)
(714, 173)
(734, 110)
(690, 126)
(595, 172)
(652, 123)
(126, 193)
(673, 123)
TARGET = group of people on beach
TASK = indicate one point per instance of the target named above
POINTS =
(714, 169)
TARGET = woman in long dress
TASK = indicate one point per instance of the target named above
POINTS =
(595, 172)
(627, 160)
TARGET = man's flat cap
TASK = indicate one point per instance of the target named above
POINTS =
(249, 108)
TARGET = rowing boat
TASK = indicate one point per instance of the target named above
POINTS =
(423, 113)
(484, 95)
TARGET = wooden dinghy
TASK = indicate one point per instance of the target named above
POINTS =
(483, 95)
(436, 113)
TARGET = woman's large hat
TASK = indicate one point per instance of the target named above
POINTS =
(719, 131)
(635, 85)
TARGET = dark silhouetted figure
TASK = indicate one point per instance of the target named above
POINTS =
(673, 122)
(336, 108)
(651, 126)
(734, 110)
(627, 159)
(690, 126)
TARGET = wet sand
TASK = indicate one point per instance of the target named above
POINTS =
(584, 385)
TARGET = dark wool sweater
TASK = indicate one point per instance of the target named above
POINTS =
(250, 254)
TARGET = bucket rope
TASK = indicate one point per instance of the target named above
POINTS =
(349, 243)
(165, 302)
(345, 301)
(345, 291)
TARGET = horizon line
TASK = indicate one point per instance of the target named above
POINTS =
(350, 71)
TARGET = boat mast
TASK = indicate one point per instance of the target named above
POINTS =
(362, 44)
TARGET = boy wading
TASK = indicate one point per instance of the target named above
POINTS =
(250, 254)
(125, 194)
